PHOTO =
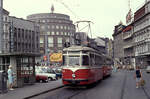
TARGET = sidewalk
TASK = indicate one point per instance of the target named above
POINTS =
(26, 91)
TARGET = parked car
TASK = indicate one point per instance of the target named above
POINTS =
(58, 73)
(44, 72)
(148, 69)
(40, 77)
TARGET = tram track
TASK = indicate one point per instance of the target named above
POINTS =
(146, 93)
(75, 92)
(44, 92)
(123, 86)
(144, 89)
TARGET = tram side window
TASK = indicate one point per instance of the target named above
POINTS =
(99, 60)
(85, 60)
(64, 60)
(108, 61)
(92, 59)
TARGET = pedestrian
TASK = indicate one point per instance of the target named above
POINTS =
(10, 78)
(138, 76)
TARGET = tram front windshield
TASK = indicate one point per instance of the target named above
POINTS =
(71, 60)
(74, 61)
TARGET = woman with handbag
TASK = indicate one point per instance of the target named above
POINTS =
(138, 76)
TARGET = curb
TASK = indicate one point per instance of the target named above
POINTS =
(43, 92)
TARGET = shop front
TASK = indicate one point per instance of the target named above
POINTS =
(23, 67)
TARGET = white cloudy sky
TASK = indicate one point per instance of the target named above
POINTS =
(105, 14)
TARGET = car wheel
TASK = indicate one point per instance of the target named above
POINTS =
(50, 79)
(40, 80)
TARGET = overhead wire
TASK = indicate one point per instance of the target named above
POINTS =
(89, 30)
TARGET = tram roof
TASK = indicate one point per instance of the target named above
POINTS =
(78, 48)
(83, 48)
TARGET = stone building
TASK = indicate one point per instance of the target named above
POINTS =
(110, 48)
(129, 59)
(20, 46)
(142, 35)
(55, 30)
(118, 44)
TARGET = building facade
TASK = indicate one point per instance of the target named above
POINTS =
(55, 30)
(129, 59)
(20, 47)
(142, 35)
(118, 45)
(110, 48)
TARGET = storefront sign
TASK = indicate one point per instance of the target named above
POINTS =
(56, 57)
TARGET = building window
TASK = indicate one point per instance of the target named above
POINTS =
(61, 27)
(48, 33)
(57, 33)
(43, 27)
(65, 33)
(53, 26)
(57, 27)
(65, 27)
(61, 33)
(59, 41)
(50, 41)
(53, 33)
(43, 21)
(41, 44)
(41, 39)
(68, 28)
(59, 44)
(5, 27)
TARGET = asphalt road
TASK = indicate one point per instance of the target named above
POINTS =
(121, 85)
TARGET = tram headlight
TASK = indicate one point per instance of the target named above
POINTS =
(73, 75)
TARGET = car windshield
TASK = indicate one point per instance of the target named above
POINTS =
(39, 71)
(148, 67)
(50, 71)
(44, 70)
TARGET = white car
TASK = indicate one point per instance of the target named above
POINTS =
(148, 69)
(43, 72)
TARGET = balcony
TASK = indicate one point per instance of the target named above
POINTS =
(127, 36)
(128, 46)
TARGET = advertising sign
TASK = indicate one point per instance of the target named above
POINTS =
(56, 57)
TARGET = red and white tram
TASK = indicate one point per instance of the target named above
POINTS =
(83, 66)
